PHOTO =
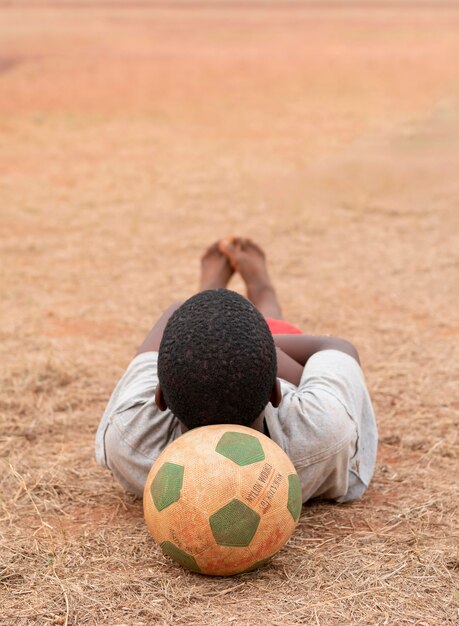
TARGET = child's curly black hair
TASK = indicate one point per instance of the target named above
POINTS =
(217, 360)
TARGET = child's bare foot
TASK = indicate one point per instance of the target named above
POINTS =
(247, 258)
(216, 270)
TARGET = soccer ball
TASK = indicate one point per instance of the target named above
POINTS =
(222, 499)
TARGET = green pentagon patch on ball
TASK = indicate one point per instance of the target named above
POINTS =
(167, 485)
(235, 524)
(294, 502)
(241, 448)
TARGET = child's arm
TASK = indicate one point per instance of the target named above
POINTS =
(293, 351)
(288, 369)
(153, 339)
(302, 347)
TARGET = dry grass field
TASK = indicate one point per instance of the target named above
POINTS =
(130, 138)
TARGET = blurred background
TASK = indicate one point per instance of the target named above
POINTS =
(134, 134)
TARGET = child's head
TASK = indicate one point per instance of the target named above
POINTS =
(217, 360)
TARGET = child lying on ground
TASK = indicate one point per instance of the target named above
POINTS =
(222, 358)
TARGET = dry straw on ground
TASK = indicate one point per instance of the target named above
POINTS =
(130, 139)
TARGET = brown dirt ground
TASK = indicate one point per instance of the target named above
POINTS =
(132, 137)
